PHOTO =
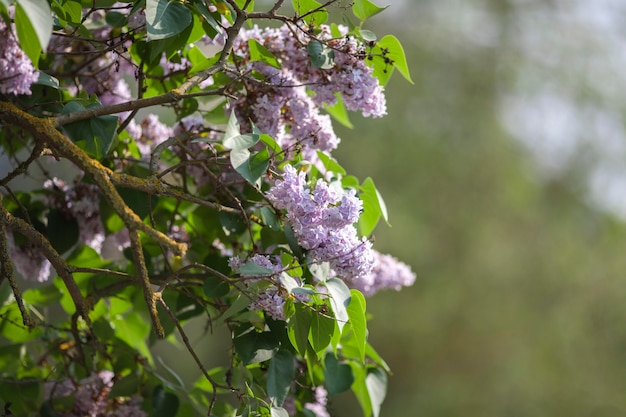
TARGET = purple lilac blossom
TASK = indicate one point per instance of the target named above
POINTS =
(91, 397)
(82, 202)
(388, 273)
(16, 69)
(28, 261)
(323, 220)
(282, 106)
(319, 406)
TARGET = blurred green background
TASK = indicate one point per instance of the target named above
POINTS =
(501, 169)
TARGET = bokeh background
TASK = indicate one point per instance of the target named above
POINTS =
(503, 171)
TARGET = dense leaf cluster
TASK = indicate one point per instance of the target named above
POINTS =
(182, 174)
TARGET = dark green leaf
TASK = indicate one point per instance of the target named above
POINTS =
(214, 287)
(320, 55)
(232, 223)
(125, 387)
(164, 403)
(337, 377)
(322, 330)
(280, 375)
(299, 327)
(255, 347)
(241, 302)
(165, 18)
(62, 230)
(94, 135)
(116, 19)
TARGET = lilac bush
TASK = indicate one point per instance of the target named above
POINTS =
(202, 189)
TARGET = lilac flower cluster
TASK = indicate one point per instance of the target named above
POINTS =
(91, 397)
(16, 69)
(281, 104)
(28, 260)
(322, 219)
(318, 407)
(82, 202)
(271, 300)
(388, 273)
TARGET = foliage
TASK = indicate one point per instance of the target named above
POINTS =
(234, 213)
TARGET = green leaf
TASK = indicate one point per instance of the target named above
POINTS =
(358, 322)
(232, 224)
(258, 52)
(232, 128)
(364, 9)
(251, 166)
(368, 35)
(250, 268)
(330, 163)
(239, 142)
(42, 296)
(322, 330)
(165, 19)
(359, 387)
(125, 387)
(95, 135)
(115, 19)
(280, 375)
(133, 330)
(62, 230)
(320, 55)
(376, 382)
(303, 7)
(214, 287)
(389, 46)
(337, 377)
(299, 327)
(340, 297)
(339, 112)
(164, 403)
(278, 412)
(33, 18)
(208, 18)
(373, 207)
(242, 301)
(255, 347)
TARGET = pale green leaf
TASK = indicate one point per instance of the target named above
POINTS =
(364, 9)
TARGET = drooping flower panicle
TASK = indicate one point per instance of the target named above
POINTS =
(322, 219)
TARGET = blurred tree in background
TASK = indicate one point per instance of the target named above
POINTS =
(506, 190)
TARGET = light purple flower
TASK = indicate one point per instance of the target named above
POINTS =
(287, 103)
(16, 69)
(91, 397)
(388, 273)
(318, 407)
(323, 220)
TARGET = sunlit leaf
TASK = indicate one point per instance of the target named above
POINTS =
(166, 18)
